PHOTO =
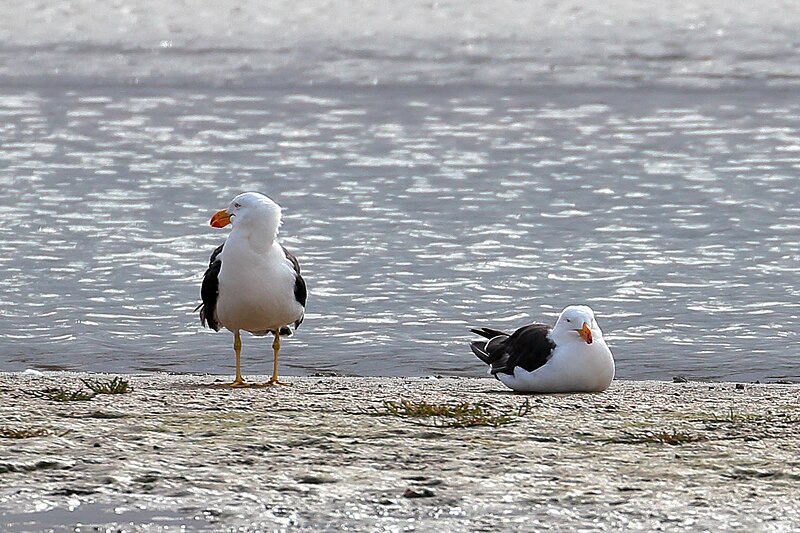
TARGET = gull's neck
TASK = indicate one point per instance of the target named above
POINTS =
(259, 228)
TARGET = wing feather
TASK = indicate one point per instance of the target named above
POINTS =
(209, 291)
(529, 347)
(300, 290)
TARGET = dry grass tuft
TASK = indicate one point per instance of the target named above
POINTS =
(7, 432)
(460, 415)
(673, 438)
(116, 385)
(60, 394)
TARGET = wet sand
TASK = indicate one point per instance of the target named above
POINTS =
(319, 455)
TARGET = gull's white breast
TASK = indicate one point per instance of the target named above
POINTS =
(256, 290)
(573, 367)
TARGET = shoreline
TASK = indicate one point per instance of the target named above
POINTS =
(326, 453)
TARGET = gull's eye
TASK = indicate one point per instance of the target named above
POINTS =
(568, 320)
(237, 205)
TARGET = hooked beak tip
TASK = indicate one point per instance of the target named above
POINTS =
(220, 219)
(586, 333)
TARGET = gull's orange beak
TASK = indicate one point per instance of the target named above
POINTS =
(220, 219)
(586, 333)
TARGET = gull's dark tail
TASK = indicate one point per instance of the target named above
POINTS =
(488, 333)
(491, 351)
(479, 349)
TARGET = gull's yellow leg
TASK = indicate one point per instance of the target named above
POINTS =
(276, 347)
(237, 346)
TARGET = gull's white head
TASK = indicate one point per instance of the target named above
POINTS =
(577, 323)
(250, 210)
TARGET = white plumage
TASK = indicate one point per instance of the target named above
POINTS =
(256, 281)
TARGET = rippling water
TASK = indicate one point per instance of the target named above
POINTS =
(416, 212)
(441, 165)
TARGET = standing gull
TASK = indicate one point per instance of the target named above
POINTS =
(252, 282)
(570, 357)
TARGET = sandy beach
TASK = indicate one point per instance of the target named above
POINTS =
(334, 453)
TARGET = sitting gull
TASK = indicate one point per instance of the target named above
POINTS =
(252, 282)
(572, 357)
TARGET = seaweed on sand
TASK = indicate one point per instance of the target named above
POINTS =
(461, 415)
(115, 385)
(7, 432)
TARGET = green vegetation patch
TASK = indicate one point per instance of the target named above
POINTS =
(7, 432)
(736, 418)
(460, 415)
(116, 385)
(673, 438)
(60, 394)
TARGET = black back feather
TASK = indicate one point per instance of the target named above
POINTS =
(529, 347)
(209, 291)
(300, 290)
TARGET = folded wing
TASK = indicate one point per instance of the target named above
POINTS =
(529, 347)
(209, 291)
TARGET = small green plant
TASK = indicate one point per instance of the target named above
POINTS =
(733, 417)
(12, 433)
(116, 385)
(60, 394)
(460, 415)
(673, 438)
